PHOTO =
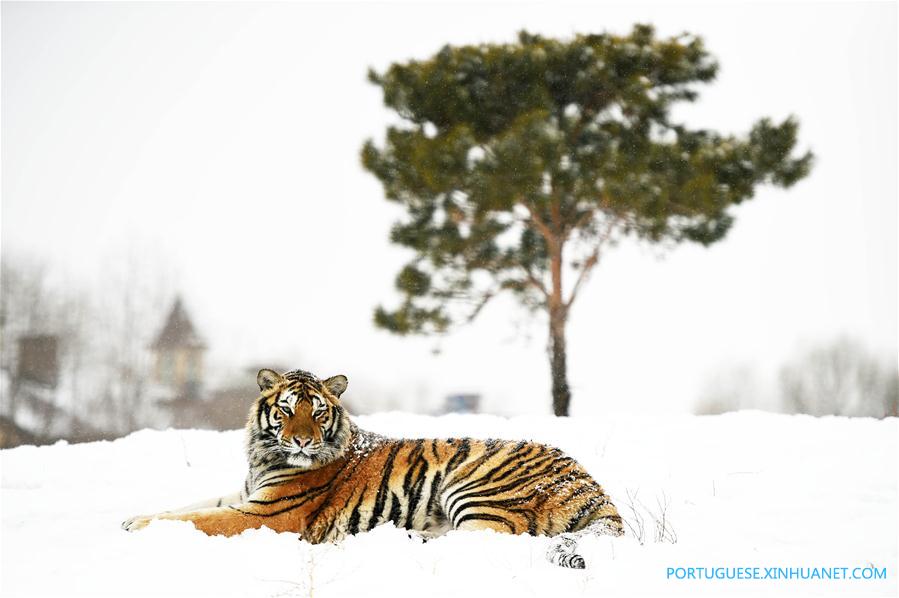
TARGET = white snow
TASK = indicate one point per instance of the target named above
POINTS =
(745, 489)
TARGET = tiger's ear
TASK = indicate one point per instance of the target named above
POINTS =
(336, 385)
(267, 379)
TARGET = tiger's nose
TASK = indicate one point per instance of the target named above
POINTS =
(302, 442)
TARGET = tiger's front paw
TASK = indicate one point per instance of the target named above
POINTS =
(136, 523)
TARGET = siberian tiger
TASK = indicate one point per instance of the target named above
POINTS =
(312, 471)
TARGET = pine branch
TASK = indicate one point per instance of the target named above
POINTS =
(584, 219)
(480, 305)
(535, 282)
(592, 260)
(541, 225)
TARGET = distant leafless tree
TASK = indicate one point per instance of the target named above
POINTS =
(103, 334)
(23, 303)
(841, 378)
(132, 304)
(730, 389)
(28, 306)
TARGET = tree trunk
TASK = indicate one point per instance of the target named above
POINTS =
(558, 315)
(557, 361)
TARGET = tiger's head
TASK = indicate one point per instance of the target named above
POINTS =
(298, 419)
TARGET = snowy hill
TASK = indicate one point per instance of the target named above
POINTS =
(738, 490)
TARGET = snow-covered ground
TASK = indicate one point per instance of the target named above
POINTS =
(742, 490)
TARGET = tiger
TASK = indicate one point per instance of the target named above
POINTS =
(313, 472)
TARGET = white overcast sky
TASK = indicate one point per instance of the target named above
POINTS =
(221, 142)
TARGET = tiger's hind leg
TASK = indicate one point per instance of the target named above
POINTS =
(473, 521)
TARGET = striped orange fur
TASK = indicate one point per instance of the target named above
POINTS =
(314, 472)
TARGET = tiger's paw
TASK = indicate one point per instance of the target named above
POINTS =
(136, 523)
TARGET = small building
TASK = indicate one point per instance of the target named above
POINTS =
(462, 403)
(38, 359)
(178, 355)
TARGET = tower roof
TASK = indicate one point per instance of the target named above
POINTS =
(178, 331)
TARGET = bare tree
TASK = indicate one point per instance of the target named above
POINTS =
(841, 378)
(730, 389)
(30, 304)
(23, 302)
(102, 333)
(131, 302)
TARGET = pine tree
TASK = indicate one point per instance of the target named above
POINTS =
(519, 164)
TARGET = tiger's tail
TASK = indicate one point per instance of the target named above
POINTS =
(562, 549)
(562, 552)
